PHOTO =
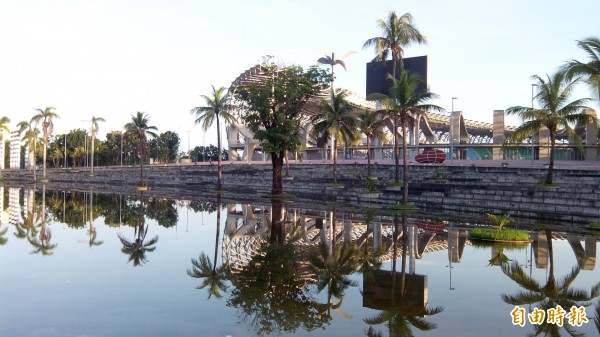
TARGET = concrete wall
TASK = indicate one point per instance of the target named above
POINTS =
(463, 190)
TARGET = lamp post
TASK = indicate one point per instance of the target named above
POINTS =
(121, 150)
(452, 132)
(65, 164)
(532, 153)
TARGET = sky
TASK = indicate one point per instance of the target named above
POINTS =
(112, 58)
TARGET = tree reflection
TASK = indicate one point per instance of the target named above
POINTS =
(137, 248)
(402, 312)
(214, 278)
(92, 240)
(332, 271)
(41, 242)
(268, 292)
(550, 295)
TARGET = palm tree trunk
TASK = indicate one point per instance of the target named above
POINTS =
(141, 170)
(396, 150)
(368, 158)
(92, 161)
(550, 176)
(44, 166)
(219, 159)
(218, 230)
(334, 160)
(405, 161)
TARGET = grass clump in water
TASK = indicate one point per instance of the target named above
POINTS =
(499, 235)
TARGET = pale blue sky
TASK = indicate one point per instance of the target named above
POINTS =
(113, 58)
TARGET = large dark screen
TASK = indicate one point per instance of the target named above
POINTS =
(377, 81)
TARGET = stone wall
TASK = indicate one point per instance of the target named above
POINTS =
(466, 192)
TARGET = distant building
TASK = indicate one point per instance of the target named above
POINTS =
(15, 151)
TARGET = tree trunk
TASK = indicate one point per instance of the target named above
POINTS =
(276, 224)
(405, 161)
(44, 166)
(217, 235)
(334, 160)
(277, 165)
(368, 158)
(550, 176)
(92, 153)
(396, 150)
(141, 170)
(219, 160)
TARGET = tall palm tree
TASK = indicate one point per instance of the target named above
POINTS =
(556, 112)
(94, 130)
(3, 128)
(337, 122)
(137, 248)
(217, 104)
(590, 70)
(371, 125)
(140, 129)
(45, 116)
(405, 99)
(397, 33)
(30, 135)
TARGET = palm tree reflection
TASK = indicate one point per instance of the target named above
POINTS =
(138, 248)
(214, 278)
(550, 295)
(404, 306)
(40, 242)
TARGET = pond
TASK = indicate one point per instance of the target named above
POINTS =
(88, 264)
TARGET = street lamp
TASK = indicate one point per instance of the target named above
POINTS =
(121, 150)
(532, 153)
(452, 132)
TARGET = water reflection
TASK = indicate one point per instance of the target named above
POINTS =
(137, 248)
(282, 269)
(550, 294)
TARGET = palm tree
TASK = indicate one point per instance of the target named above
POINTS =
(29, 138)
(336, 122)
(3, 128)
(396, 34)
(217, 104)
(590, 70)
(46, 116)
(556, 113)
(138, 248)
(405, 99)
(95, 121)
(371, 125)
(139, 129)
(333, 61)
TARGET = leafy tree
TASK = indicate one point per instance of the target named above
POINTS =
(272, 109)
(590, 70)
(30, 137)
(165, 147)
(139, 130)
(556, 113)
(46, 116)
(371, 125)
(163, 211)
(217, 104)
(337, 122)
(405, 99)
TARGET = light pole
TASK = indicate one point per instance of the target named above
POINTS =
(203, 147)
(65, 165)
(452, 132)
(121, 150)
(188, 131)
(532, 153)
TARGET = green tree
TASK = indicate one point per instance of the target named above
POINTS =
(397, 33)
(139, 130)
(3, 128)
(372, 126)
(590, 70)
(46, 116)
(94, 130)
(404, 99)
(273, 109)
(556, 113)
(165, 147)
(337, 122)
(217, 105)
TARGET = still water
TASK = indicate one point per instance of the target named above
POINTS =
(85, 264)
